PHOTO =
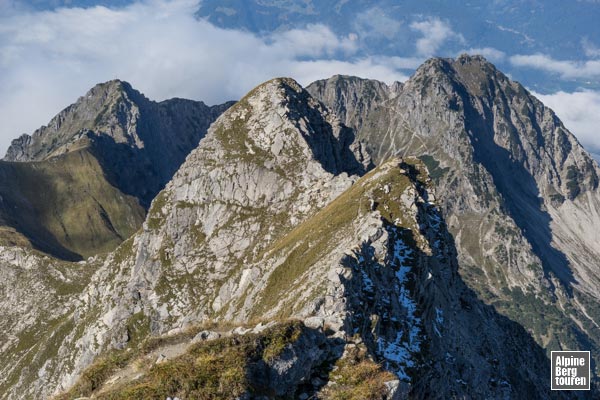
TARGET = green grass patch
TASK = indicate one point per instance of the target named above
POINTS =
(124, 251)
(66, 207)
(94, 376)
(433, 166)
(156, 218)
(357, 377)
(311, 240)
(215, 369)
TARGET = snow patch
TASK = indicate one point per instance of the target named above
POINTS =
(401, 254)
(368, 285)
(398, 352)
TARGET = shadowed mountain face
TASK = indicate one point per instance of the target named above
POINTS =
(82, 184)
(444, 273)
(519, 192)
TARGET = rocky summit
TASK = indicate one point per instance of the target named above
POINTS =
(350, 240)
(82, 184)
(519, 192)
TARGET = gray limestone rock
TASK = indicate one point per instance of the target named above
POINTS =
(279, 213)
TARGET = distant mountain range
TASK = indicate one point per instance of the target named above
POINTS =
(429, 239)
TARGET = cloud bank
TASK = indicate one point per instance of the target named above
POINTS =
(589, 48)
(435, 33)
(48, 59)
(566, 69)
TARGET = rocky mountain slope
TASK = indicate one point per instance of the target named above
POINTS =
(519, 192)
(109, 153)
(349, 240)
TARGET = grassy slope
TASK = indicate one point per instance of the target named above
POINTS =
(207, 370)
(220, 369)
(65, 206)
(306, 244)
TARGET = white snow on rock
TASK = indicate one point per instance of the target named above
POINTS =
(398, 353)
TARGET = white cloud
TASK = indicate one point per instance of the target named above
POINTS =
(313, 41)
(435, 33)
(580, 112)
(410, 63)
(8, 7)
(524, 37)
(590, 49)
(374, 68)
(490, 53)
(566, 69)
(48, 59)
(376, 22)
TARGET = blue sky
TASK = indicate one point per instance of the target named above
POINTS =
(53, 51)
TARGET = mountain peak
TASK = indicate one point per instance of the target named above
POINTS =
(281, 83)
(504, 163)
(465, 58)
(110, 108)
(114, 86)
(274, 91)
(116, 150)
(474, 72)
(279, 121)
